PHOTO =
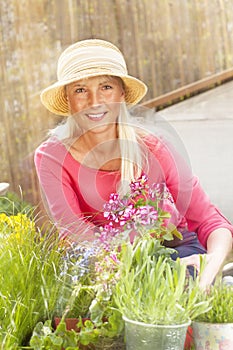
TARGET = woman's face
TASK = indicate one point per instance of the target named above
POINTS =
(95, 102)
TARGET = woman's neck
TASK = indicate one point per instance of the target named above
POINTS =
(96, 151)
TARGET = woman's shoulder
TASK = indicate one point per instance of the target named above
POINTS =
(153, 142)
(159, 147)
(50, 150)
(52, 144)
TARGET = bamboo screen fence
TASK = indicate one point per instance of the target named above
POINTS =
(167, 43)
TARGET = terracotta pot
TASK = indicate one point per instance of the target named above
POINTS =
(71, 323)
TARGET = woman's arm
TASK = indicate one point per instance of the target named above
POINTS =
(213, 229)
(202, 216)
(219, 245)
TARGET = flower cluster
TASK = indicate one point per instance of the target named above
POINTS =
(15, 226)
(140, 210)
(78, 261)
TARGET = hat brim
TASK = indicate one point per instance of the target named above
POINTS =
(54, 97)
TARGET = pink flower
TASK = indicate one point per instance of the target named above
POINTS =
(127, 215)
(146, 215)
(113, 208)
(114, 258)
(137, 187)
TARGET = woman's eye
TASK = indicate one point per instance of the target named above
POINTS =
(80, 90)
(107, 87)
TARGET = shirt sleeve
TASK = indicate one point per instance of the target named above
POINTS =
(193, 203)
(58, 193)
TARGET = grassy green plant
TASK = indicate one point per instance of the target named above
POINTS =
(221, 303)
(29, 278)
(155, 289)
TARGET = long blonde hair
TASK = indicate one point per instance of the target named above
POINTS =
(134, 155)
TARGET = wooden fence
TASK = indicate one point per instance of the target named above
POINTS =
(167, 43)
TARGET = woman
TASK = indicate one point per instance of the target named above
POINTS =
(98, 151)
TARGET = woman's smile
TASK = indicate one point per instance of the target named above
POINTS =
(96, 116)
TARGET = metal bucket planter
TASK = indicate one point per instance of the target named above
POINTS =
(214, 336)
(143, 336)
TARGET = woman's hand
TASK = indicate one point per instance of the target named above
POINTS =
(212, 262)
(219, 245)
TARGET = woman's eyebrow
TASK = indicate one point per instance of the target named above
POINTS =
(84, 84)
(108, 81)
(78, 84)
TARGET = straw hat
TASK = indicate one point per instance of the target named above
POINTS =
(89, 58)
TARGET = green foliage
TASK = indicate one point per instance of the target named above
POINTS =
(153, 288)
(45, 338)
(83, 297)
(12, 204)
(220, 297)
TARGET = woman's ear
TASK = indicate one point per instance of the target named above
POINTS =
(65, 93)
(123, 96)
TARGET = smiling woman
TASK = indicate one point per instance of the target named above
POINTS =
(99, 150)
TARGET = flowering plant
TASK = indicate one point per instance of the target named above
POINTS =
(140, 211)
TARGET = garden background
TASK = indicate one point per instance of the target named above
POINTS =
(167, 43)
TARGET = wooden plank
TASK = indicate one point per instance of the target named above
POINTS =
(190, 89)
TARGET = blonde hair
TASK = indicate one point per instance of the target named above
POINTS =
(133, 153)
(132, 150)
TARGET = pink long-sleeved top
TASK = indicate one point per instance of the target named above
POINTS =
(75, 193)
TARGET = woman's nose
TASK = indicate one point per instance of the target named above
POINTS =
(95, 98)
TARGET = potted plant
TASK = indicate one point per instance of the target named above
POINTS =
(87, 335)
(45, 337)
(84, 314)
(155, 296)
(214, 328)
